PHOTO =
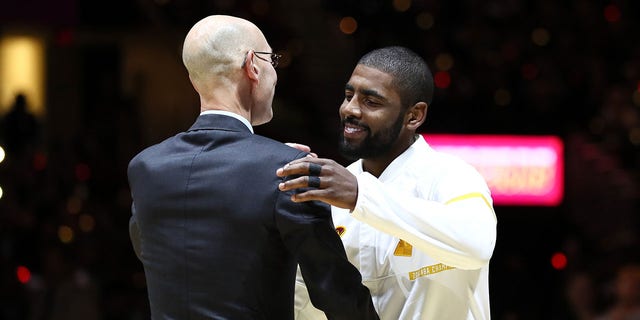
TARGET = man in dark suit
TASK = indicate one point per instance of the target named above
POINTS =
(216, 237)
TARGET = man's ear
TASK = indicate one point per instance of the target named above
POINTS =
(416, 115)
(250, 68)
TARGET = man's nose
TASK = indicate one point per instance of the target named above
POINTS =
(351, 108)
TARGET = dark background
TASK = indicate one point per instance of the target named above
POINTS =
(115, 84)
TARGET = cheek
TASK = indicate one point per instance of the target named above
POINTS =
(382, 120)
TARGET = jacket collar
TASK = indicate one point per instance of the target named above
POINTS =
(219, 122)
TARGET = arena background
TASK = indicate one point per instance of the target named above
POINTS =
(111, 82)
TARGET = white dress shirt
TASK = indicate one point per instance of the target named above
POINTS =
(230, 114)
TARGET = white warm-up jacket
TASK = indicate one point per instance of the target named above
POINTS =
(421, 235)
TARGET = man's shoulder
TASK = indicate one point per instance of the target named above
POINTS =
(266, 145)
(151, 152)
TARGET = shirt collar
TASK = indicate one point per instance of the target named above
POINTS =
(230, 114)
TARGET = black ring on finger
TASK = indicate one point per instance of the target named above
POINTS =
(314, 169)
(314, 182)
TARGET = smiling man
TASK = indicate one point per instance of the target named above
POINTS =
(418, 224)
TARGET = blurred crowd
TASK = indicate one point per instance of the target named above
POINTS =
(65, 251)
(569, 68)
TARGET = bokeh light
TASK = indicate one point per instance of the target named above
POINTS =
(65, 234)
(540, 37)
(442, 79)
(401, 5)
(74, 205)
(425, 20)
(612, 13)
(22, 69)
(1, 192)
(559, 261)
(348, 25)
(86, 223)
(444, 62)
(23, 274)
(2, 154)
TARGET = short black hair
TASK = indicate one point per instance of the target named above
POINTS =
(411, 73)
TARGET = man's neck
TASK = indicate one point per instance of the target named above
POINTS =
(377, 165)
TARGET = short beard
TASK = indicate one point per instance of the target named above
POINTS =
(373, 145)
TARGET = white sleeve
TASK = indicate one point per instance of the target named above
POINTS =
(460, 232)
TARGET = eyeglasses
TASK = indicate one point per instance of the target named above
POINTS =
(275, 58)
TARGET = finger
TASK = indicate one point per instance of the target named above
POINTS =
(300, 183)
(313, 181)
(291, 168)
(314, 169)
(301, 147)
(315, 159)
(309, 195)
(297, 183)
(300, 166)
(312, 195)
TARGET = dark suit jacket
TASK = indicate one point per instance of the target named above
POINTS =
(218, 240)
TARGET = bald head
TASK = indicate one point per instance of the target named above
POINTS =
(216, 46)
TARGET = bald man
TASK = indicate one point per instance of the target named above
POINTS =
(215, 236)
